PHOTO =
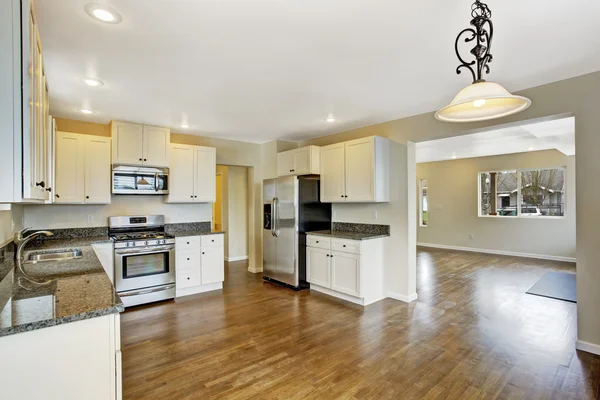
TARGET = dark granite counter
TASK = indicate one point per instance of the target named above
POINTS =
(349, 235)
(78, 289)
(184, 229)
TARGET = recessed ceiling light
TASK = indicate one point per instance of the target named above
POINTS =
(85, 111)
(103, 13)
(330, 119)
(93, 82)
(185, 126)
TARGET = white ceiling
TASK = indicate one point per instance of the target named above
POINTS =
(274, 69)
(557, 134)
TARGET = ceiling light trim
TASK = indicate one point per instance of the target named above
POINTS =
(91, 9)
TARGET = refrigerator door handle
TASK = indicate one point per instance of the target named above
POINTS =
(275, 217)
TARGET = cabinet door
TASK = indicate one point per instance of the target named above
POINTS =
(156, 146)
(345, 273)
(318, 267)
(301, 161)
(333, 187)
(70, 173)
(97, 170)
(181, 174)
(187, 270)
(285, 163)
(206, 175)
(212, 265)
(127, 143)
(360, 170)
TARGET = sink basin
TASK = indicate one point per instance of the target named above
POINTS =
(60, 255)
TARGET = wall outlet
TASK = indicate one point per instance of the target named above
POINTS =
(90, 219)
(472, 236)
(374, 215)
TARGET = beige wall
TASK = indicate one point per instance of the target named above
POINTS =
(578, 96)
(237, 214)
(223, 171)
(453, 207)
(8, 219)
(89, 128)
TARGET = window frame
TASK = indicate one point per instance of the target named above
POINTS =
(421, 225)
(519, 196)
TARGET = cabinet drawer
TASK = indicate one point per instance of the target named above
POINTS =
(346, 246)
(187, 243)
(211, 240)
(320, 242)
(188, 278)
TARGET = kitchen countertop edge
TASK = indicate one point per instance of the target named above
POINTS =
(348, 235)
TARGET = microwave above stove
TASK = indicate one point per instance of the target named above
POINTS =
(139, 180)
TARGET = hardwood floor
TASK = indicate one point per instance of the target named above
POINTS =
(473, 333)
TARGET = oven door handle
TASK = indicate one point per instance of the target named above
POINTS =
(147, 291)
(146, 250)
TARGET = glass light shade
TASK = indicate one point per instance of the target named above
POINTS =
(482, 101)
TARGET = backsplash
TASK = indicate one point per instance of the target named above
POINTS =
(188, 226)
(360, 228)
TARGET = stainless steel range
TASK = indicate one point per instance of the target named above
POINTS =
(144, 259)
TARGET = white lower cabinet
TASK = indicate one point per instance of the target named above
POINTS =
(200, 265)
(338, 267)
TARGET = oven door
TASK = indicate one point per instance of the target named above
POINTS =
(144, 267)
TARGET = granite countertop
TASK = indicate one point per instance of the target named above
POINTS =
(78, 289)
(350, 235)
(195, 232)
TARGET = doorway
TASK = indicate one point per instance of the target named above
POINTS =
(230, 210)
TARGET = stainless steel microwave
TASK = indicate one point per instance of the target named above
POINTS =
(139, 180)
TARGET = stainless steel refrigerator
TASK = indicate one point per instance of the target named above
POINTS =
(291, 208)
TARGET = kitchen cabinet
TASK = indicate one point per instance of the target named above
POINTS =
(192, 174)
(348, 269)
(83, 174)
(303, 161)
(355, 171)
(72, 361)
(318, 266)
(24, 109)
(142, 145)
(200, 265)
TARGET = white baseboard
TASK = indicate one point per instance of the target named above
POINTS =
(401, 297)
(255, 270)
(199, 289)
(498, 252)
(587, 347)
(339, 295)
(238, 258)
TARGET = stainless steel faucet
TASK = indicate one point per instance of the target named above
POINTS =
(20, 242)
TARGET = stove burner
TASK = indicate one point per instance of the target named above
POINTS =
(141, 235)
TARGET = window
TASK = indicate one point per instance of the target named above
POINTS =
(423, 208)
(522, 193)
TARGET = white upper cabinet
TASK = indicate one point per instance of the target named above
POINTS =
(355, 171)
(333, 185)
(135, 144)
(83, 174)
(192, 174)
(303, 161)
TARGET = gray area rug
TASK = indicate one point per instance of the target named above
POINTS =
(556, 285)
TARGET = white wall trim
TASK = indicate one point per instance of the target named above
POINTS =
(238, 258)
(587, 347)
(339, 295)
(255, 270)
(499, 252)
(401, 297)
(198, 289)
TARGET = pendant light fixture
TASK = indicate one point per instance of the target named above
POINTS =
(481, 100)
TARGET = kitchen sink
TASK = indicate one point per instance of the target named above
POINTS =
(59, 255)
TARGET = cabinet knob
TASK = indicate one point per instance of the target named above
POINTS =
(188, 278)
(140, 159)
(344, 246)
(41, 184)
(145, 159)
(202, 252)
(192, 196)
(346, 196)
(213, 240)
(87, 197)
(317, 241)
(188, 259)
(342, 195)
(188, 242)
(57, 196)
(195, 196)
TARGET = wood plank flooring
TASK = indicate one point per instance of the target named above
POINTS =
(473, 333)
